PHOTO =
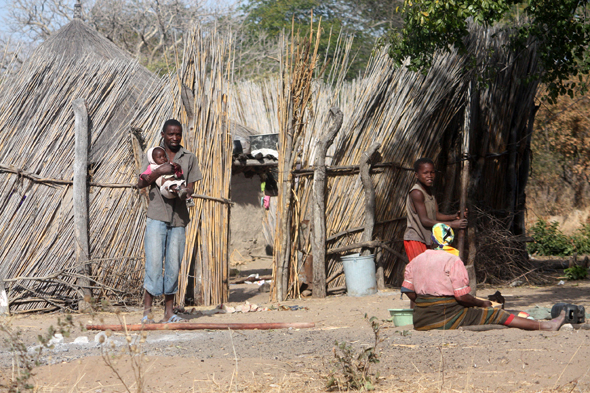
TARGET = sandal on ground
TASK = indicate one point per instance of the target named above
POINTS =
(175, 319)
(145, 320)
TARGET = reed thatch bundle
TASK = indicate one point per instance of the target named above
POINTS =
(414, 115)
(205, 76)
(502, 114)
(197, 95)
(405, 111)
(298, 65)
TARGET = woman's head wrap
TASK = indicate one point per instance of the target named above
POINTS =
(442, 236)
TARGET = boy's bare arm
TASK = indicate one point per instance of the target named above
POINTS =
(449, 217)
(417, 198)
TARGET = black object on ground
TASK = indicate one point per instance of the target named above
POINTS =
(573, 313)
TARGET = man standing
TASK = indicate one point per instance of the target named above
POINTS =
(166, 222)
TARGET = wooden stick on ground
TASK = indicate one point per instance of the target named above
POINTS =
(204, 326)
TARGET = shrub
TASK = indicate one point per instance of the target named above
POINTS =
(549, 240)
(581, 240)
(352, 368)
(576, 273)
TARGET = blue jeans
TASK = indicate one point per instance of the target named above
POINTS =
(164, 247)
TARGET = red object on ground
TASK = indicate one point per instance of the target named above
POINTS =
(414, 248)
(203, 326)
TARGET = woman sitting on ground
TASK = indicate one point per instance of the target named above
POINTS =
(437, 282)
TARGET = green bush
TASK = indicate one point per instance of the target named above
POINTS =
(581, 240)
(549, 240)
(576, 273)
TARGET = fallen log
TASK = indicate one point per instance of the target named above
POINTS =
(203, 326)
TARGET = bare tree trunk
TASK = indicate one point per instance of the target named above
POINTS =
(467, 129)
(369, 189)
(450, 180)
(525, 166)
(318, 239)
(467, 125)
(80, 195)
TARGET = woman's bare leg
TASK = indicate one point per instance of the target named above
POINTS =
(527, 324)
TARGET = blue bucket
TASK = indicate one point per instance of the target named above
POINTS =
(359, 272)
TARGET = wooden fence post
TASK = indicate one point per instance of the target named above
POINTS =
(318, 238)
(4, 305)
(468, 124)
(80, 195)
(369, 189)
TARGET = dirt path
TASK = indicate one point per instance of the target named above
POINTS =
(298, 360)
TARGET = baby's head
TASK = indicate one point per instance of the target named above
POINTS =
(159, 155)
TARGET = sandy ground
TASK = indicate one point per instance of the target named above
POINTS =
(298, 360)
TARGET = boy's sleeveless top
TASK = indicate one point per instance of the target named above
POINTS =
(415, 230)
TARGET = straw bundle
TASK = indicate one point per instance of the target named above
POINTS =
(206, 73)
(499, 152)
(396, 108)
(298, 63)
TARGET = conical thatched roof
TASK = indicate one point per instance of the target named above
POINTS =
(78, 40)
(37, 141)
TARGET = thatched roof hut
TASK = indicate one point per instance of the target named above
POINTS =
(36, 161)
(77, 40)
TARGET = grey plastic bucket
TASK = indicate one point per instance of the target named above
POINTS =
(359, 272)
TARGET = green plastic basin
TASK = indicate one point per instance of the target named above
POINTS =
(402, 316)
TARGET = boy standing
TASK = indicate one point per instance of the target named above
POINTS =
(422, 211)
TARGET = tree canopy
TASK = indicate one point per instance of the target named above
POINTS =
(366, 20)
(559, 27)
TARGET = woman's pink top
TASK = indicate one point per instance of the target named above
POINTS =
(437, 273)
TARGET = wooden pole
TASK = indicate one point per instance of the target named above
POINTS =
(318, 238)
(467, 129)
(204, 326)
(369, 189)
(282, 250)
(188, 102)
(4, 306)
(523, 176)
(80, 195)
